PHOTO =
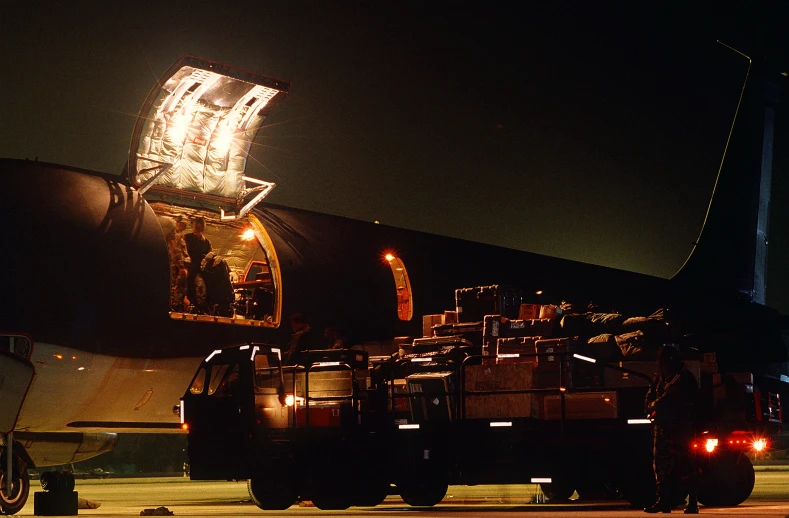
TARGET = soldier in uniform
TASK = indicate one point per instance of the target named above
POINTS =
(670, 403)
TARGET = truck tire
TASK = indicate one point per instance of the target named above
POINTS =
(558, 491)
(423, 493)
(727, 480)
(638, 487)
(370, 494)
(20, 489)
(272, 494)
(332, 498)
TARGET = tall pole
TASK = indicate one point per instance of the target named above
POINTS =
(9, 441)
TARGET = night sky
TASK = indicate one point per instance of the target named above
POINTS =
(586, 130)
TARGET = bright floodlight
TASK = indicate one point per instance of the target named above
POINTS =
(290, 400)
(248, 235)
(759, 444)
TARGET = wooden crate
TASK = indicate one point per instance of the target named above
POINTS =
(428, 321)
(493, 377)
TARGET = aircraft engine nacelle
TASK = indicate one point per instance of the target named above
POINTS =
(53, 449)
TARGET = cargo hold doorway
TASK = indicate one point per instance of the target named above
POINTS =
(229, 276)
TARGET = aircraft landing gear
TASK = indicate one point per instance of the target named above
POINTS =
(14, 479)
(13, 502)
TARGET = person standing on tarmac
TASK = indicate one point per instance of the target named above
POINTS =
(670, 403)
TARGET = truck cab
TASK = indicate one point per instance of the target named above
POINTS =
(296, 431)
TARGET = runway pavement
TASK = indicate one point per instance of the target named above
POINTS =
(128, 497)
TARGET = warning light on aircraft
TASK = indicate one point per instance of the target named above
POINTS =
(248, 234)
(389, 257)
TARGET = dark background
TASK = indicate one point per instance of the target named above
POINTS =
(587, 130)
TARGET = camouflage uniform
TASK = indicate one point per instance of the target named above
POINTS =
(177, 251)
(671, 403)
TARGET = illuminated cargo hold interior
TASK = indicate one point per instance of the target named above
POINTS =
(239, 279)
(188, 156)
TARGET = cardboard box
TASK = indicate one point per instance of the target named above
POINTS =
(495, 377)
(550, 311)
(490, 376)
(529, 312)
(428, 321)
(581, 405)
(450, 317)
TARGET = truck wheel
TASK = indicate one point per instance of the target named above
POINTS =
(271, 494)
(557, 492)
(596, 492)
(423, 494)
(371, 493)
(13, 502)
(332, 499)
(726, 481)
(638, 486)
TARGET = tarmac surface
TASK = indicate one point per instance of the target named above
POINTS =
(126, 497)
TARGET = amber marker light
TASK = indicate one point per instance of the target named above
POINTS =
(185, 427)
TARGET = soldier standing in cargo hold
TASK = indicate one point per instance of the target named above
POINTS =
(197, 246)
(670, 403)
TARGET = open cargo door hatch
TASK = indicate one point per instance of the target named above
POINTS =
(195, 130)
(187, 157)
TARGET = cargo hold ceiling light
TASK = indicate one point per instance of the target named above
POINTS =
(196, 128)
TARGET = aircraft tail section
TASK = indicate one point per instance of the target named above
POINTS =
(730, 255)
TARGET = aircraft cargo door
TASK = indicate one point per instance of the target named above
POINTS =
(188, 158)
